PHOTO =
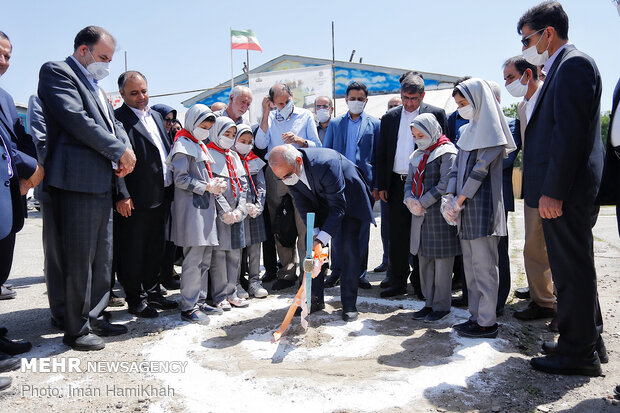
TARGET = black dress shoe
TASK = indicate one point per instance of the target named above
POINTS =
(435, 316)
(157, 301)
(421, 314)
(349, 315)
(143, 310)
(105, 329)
(381, 268)
(393, 292)
(477, 331)
(88, 342)
(522, 293)
(163, 291)
(281, 284)
(551, 347)
(5, 383)
(553, 325)
(365, 284)
(386, 282)
(14, 348)
(8, 363)
(332, 281)
(171, 284)
(314, 307)
(534, 312)
(269, 276)
(560, 364)
(106, 315)
(463, 326)
(617, 391)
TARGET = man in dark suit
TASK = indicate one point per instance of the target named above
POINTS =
(610, 185)
(326, 183)
(563, 162)
(356, 136)
(142, 200)
(19, 172)
(86, 146)
(395, 146)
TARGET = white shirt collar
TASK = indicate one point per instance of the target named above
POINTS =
(86, 73)
(304, 178)
(141, 113)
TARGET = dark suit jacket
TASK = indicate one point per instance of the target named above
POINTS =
(11, 205)
(610, 186)
(145, 185)
(81, 145)
(390, 123)
(23, 158)
(563, 156)
(367, 142)
(508, 165)
(337, 189)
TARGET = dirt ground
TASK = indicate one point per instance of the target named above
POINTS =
(383, 362)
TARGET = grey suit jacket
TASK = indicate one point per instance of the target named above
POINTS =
(82, 142)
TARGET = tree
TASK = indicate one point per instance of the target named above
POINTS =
(605, 126)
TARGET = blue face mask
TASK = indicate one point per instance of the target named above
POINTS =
(286, 111)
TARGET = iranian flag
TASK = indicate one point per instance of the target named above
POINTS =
(244, 40)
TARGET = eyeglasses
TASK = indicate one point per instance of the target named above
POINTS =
(410, 99)
(526, 40)
(169, 120)
(321, 107)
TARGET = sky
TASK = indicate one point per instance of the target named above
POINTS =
(185, 45)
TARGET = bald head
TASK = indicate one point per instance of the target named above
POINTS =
(284, 160)
(394, 102)
(218, 106)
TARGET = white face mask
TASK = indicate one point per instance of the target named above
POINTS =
(533, 57)
(99, 70)
(286, 111)
(355, 106)
(516, 88)
(226, 143)
(322, 115)
(424, 143)
(467, 112)
(243, 148)
(200, 134)
(291, 180)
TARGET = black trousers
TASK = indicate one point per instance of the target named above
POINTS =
(354, 261)
(85, 228)
(7, 247)
(52, 263)
(400, 233)
(571, 258)
(503, 264)
(270, 257)
(139, 244)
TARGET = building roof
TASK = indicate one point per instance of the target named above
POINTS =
(378, 79)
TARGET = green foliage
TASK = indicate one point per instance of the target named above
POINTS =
(511, 111)
(605, 126)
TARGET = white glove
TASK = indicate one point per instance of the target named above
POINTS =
(446, 209)
(217, 186)
(417, 209)
(253, 210)
(237, 215)
(228, 218)
(409, 203)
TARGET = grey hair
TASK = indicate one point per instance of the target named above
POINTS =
(239, 90)
(284, 153)
(412, 83)
(495, 89)
(331, 104)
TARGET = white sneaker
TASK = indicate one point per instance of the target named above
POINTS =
(237, 302)
(256, 289)
(224, 305)
(241, 293)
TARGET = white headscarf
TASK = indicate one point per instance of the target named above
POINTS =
(196, 115)
(488, 127)
(427, 124)
(222, 124)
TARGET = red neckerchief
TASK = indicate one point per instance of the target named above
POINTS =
(251, 155)
(189, 136)
(418, 187)
(232, 173)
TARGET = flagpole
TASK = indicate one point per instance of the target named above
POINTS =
(232, 73)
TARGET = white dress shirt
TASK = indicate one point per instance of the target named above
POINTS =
(405, 145)
(615, 130)
(529, 104)
(300, 122)
(146, 118)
